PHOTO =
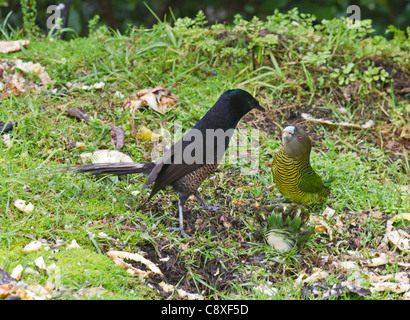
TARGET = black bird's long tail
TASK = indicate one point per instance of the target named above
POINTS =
(117, 168)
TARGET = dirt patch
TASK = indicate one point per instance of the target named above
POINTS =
(188, 266)
(401, 78)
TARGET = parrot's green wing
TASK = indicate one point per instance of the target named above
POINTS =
(311, 182)
(273, 165)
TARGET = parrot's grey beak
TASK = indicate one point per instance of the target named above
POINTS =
(288, 132)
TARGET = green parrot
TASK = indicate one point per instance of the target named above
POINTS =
(292, 172)
(299, 184)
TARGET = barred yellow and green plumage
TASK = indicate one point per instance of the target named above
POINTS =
(298, 183)
(292, 173)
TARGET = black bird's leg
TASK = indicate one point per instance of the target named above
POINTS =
(181, 202)
(206, 205)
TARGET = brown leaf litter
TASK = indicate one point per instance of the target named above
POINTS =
(159, 99)
(14, 81)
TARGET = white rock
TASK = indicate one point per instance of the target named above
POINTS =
(22, 206)
(17, 272)
(39, 263)
(32, 246)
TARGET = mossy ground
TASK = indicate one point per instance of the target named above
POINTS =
(292, 65)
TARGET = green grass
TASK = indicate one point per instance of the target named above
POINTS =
(290, 72)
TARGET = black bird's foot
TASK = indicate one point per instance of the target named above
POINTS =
(211, 208)
(181, 203)
(206, 205)
(183, 233)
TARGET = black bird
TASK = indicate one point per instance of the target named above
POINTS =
(191, 159)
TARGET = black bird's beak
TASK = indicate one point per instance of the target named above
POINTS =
(259, 107)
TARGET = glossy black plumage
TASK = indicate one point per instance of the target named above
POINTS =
(209, 138)
(224, 115)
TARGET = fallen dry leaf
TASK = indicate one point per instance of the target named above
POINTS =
(40, 263)
(44, 78)
(309, 117)
(348, 265)
(382, 259)
(151, 101)
(14, 82)
(225, 222)
(239, 201)
(6, 140)
(378, 215)
(78, 114)
(17, 272)
(80, 145)
(321, 225)
(32, 246)
(40, 291)
(105, 156)
(117, 137)
(77, 85)
(22, 206)
(390, 287)
(168, 288)
(119, 256)
(9, 89)
(73, 245)
(145, 134)
(92, 292)
(329, 212)
(318, 274)
(34, 68)
(397, 237)
(13, 290)
(13, 46)
(320, 228)
(189, 296)
(159, 99)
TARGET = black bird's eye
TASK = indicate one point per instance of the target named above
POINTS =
(300, 138)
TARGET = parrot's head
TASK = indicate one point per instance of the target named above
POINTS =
(296, 143)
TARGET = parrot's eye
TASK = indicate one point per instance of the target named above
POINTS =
(300, 138)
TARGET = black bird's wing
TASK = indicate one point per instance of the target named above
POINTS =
(210, 136)
(172, 173)
(166, 171)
